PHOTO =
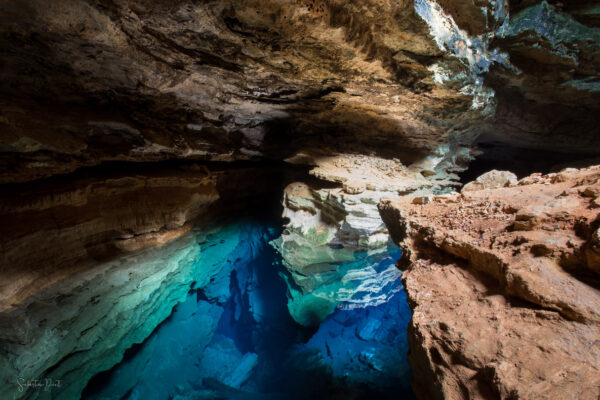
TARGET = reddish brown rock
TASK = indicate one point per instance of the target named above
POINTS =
(504, 288)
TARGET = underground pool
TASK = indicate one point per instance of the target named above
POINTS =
(233, 337)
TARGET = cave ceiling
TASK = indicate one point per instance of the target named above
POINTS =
(90, 81)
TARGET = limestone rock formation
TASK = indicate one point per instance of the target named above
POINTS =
(491, 180)
(97, 215)
(360, 92)
(504, 288)
(81, 325)
(85, 82)
(124, 123)
(331, 232)
(93, 263)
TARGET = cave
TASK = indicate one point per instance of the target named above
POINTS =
(320, 199)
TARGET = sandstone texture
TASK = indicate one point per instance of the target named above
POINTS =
(504, 288)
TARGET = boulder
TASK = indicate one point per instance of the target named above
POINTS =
(491, 180)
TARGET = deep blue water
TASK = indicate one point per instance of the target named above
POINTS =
(233, 337)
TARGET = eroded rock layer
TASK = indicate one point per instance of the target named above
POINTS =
(364, 92)
(59, 226)
(503, 284)
(83, 324)
(334, 239)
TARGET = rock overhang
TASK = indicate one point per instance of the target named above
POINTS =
(90, 82)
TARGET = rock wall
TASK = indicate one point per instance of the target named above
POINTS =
(79, 220)
(194, 344)
(76, 223)
(503, 283)
(93, 261)
(83, 324)
(107, 105)
(334, 238)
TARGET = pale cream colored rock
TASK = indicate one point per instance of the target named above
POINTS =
(354, 187)
(491, 180)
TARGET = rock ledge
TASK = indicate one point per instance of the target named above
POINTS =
(503, 284)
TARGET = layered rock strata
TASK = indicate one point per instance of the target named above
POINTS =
(334, 238)
(504, 287)
(77, 223)
(88, 83)
(200, 340)
(85, 82)
(93, 261)
(79, 220)
(81, 325)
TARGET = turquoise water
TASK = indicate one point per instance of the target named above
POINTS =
(233, 337)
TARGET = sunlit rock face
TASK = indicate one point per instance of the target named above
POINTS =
(554, 46)
(335, 245)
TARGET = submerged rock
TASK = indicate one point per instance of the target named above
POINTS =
(365, 346)
(84, 324)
